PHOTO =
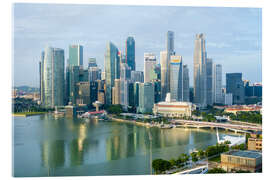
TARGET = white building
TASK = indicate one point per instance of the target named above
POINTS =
(228, 99)
(170, 108)
(150, 61)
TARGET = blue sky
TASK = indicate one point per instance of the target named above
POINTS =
(233, 35)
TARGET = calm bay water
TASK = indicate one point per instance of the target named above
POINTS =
(45, 146)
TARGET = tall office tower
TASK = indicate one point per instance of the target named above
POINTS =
(157, 90)
(165, 80)
(112, 70)
(137, 76)
(136, 93)
(185, 84)
(235, 85)
(103, 75)
(199, 82)
(83, 97)
(92, 62)
(130, 53)
(150, 61)
(131, 98)
(170, 43)
(94, 73)
(53, 63)
(73, 74)
(116, 92)
(83, 74)
(125, 75)
(146, 97)
(209, 81)
(176, 78)
(93, 92)
(75, 55)
(41, 82)
(217, 79)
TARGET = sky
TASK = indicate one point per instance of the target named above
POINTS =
(233, 35)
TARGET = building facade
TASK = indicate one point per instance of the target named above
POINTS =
(137, 76)
(130, 53)
(235, 85)
(217, 84)
(186, 93)
(75, 55)
(52, 77)
(176, 78)
(199, 70)
(150, 61)
(165, 78)
(112, 70)
(146, 97)
(209, 82)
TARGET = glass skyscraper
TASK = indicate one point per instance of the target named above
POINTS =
(52, 77)
(75, 55)
(176, 78)
(235, 85)
(146, 97)
(199, 70)
(112, 69)
(130, 53)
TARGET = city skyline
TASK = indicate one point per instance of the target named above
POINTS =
(242, 41)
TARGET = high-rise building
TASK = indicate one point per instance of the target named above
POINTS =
(125, 76)
(94, 73)
(217, 79)
(157, 90)
(75, 55)
(130, 53)
(235, 85)
(209, 81)
(176, 78)
(199, 82)
(137, 76)
(146, 97)
(73, 74)
(165, 78)
(150, 61)
(116, 92)
(186, 90)
(112, 69)
(41, 81)
(83, 97)
(136, 93)
(92, 62)
(170, 43)
(228, 99)
(52, 77)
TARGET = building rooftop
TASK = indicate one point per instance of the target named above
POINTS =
(248, 154)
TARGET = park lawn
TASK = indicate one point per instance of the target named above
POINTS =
(27, 113)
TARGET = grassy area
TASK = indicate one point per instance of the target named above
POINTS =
(215, 159)
(27, 113)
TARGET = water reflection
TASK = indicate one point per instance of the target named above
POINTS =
(74, 147)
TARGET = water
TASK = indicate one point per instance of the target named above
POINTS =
(45, 146)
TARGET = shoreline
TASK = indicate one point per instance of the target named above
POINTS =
(128, 121)
(27, 114)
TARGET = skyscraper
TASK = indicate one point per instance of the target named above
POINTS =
(185, 84)
(52, 69)
(209, 81)
(137, 76)
(112, 69)
(146, 97)
(94, 73)
(130, 53)
(116, 92)
(75, 55)
(124, 84)
(92, 62)
(199, 82)
(235, 85)
(149, 65)
(218, 84)
(176, 78)
(170, 43)
(164, 63)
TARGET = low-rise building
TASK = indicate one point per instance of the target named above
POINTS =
(170, 108)
(242, 108)
(255, 144)
(241, 160)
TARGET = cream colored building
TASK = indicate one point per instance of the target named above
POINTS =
(170, 108)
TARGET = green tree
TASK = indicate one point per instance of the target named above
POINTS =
(216, 170)
(160, 165)
(194, 156)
